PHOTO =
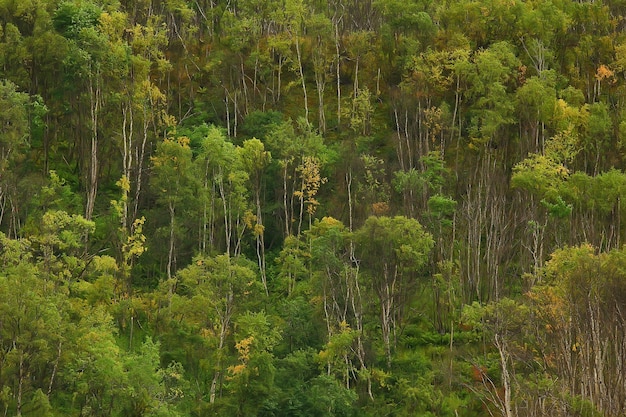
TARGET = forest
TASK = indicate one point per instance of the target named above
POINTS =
(312, 208)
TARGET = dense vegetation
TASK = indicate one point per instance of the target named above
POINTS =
(312, 208)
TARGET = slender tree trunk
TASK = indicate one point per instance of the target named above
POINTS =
(357, 309)
(235, 113)
(227, 222)
(140, 153)
(279, 81)
(399, 150)
(285, 200)
(213, 389)
(54, 369)
(350, 206)
(256, 74)
(386, 305)
(260, 240)
(355, 86)
(302, 80)
(338, 67)
(127, 136)
(409, 149)
(218, 371)
(131, 332)
(20, 385)
(227, 112)
(170, 254)
(301, 198)
(506, 377)
(207, 213)
(244, 86)
(127, 157)
(321, 85)
(329, 332)
(92, 182)
(3, 203)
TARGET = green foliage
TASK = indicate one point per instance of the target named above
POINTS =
(71, 17)
(393, 242)
(14, 121)
(259, 124)
(251, 381)
(219, 282)
(57, 195)
(153, 391)
(208, 136)
(292, 261)
(537, 98)
(328, 398)
(39, 405)
(539, 175)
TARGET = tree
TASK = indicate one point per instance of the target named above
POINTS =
(255, 159)
(251, 380)
(485, 213)
(222, 283)
(329, 398)
(392, 252)
(597, 137)
(61, 250)
(576, 308)
(310, 182)
(149, 393)
(544, 179)
(13, 142)
(294, 12)
(536, 101)
(94, 60)
(143, 104)
(97, 369)
(131, 239)
(224, 181)
(290, 148)
(32, 317)
(173, 181)
(337, 280)
(320, 28)
(490, 85)
(501, 322)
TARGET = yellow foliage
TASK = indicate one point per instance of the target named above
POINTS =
(312, 205)
(183, 141)
(135, 243)
(331, 221)
(124, 184)
(112, 24)
(151, 93)
(249, 218)
(236, 370)
(604, 73)
(258, 229)
(316, 300)
(380, 208)
(105, 264)
(433, 121)
(168, 120)
(311, 182)
(243, 347)
(207, 333)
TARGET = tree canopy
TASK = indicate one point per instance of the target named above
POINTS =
(312, 208)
